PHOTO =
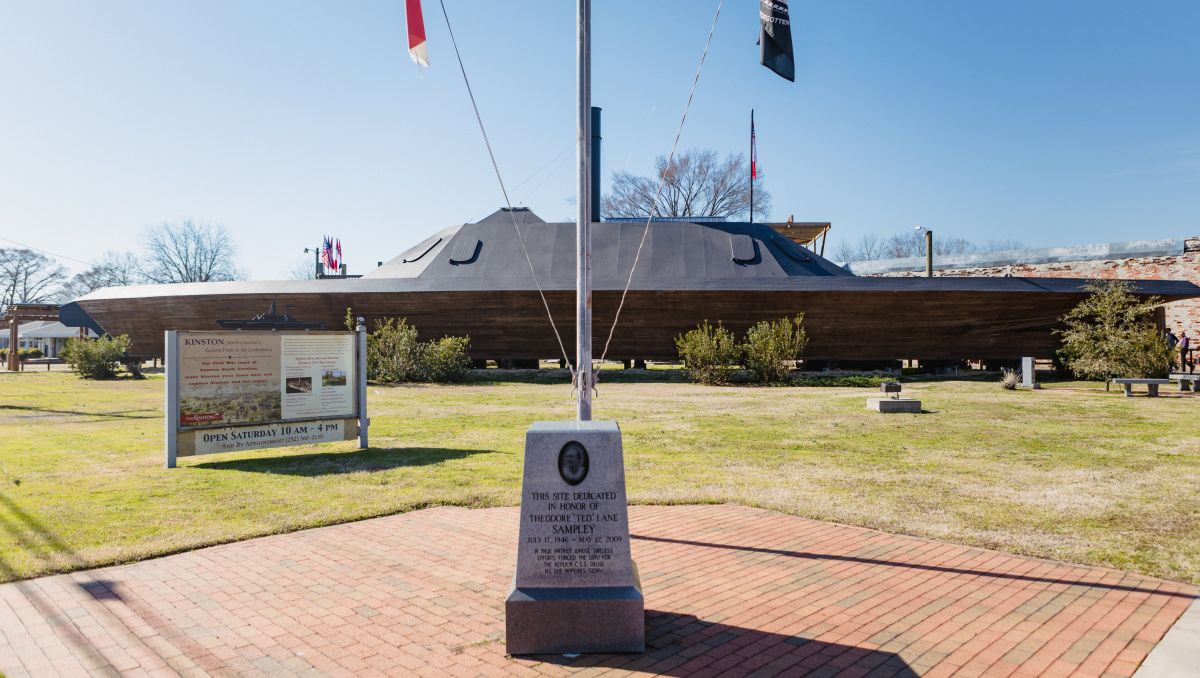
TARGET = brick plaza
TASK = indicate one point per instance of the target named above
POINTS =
(729, 591)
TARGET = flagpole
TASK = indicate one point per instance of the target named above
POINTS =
(583, 224)
(752, 165)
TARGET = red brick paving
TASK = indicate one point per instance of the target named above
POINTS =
(729, 591)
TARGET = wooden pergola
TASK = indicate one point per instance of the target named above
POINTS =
(24, 313)
(810, 234)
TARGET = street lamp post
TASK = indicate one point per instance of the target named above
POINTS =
(316, 252)
(928, 250)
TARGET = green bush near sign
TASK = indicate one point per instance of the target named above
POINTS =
(395, 354)
(710, 354)
(96, 358)
(771, 349)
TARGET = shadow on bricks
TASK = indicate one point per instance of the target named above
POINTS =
(809, 555)
(128, 620)
(336, 463)
(684, 645)
(35, 537)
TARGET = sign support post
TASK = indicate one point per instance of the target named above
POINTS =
(171, 393)
(363, 420)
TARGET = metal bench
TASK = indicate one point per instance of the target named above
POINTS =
(1151, 385)
(41, 361)
(1187, 382)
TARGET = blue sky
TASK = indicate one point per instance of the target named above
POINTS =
(1049, 122)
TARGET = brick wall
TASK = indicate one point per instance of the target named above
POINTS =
(1185, 266)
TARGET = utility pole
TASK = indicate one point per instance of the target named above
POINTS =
(583, 224)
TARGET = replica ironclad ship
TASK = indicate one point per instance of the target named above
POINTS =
(475, 280)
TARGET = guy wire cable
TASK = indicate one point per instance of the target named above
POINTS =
(661, 182)
(499, 178)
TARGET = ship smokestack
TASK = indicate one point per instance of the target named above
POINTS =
(595, 163)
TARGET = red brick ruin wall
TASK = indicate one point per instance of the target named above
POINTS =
(1179, 315)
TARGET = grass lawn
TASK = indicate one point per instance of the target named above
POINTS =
(1070, 473)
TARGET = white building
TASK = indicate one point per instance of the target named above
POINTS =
(49, 336)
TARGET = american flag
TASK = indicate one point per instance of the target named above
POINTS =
(328, 256)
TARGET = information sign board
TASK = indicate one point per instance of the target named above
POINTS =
(229, 391)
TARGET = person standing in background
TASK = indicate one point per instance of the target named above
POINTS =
(1184, 360)
(1171, 341)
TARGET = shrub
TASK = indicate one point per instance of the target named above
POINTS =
(772, 348)
(708, 353)
(32, 353)
(396, 354)
(1112, 333)
(852, 380)
(96, 358)
(1009, 379)
(446, 359)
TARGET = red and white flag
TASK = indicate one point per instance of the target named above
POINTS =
(339, 250)
(416, 33)
(753, 150)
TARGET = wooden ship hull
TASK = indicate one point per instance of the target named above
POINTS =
(474, 280)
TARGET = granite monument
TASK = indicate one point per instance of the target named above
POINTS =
(576, 587)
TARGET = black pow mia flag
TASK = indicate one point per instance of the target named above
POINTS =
(776, 38)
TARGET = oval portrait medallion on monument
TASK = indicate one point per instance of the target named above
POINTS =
(573, 463)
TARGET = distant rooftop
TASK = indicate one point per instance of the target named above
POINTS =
(1045, 255)
(664, 220)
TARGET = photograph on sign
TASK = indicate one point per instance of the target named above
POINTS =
(229, 378)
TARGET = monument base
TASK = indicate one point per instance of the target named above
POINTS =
(581, 619)
(891, 405)
(576, 588)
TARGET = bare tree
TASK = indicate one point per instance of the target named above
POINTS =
(695, 184)
(115, 269)
(189, 252)
(905, 244)
(908, 244)
(28, 277)
(951, 245)
(303, 269)
(1001, 244)
(868, 247)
